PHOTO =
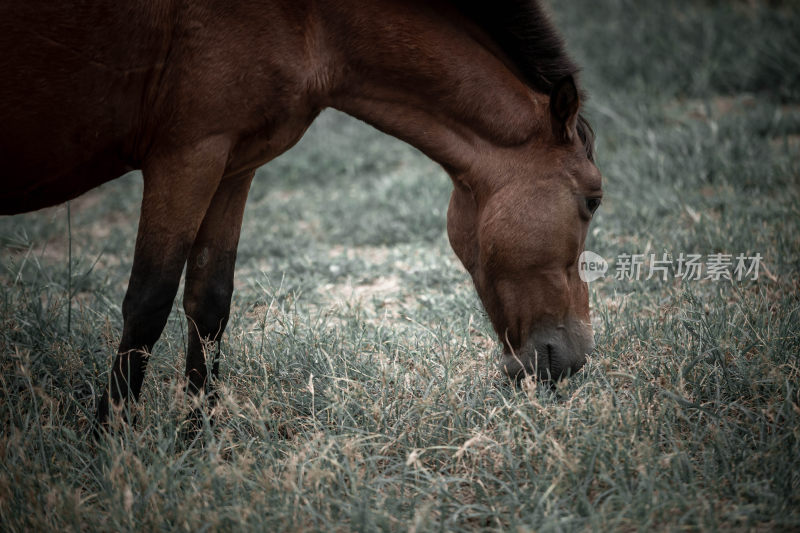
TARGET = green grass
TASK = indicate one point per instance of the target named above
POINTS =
(359, 390)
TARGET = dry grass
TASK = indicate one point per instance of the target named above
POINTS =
(359, 390)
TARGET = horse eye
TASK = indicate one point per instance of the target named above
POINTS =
(592, 204)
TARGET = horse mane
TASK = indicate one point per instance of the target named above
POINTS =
(524, 32)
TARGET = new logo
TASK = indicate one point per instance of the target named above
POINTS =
(591, 266)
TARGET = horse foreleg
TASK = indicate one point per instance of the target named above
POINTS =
(178, 189)
(209, 279)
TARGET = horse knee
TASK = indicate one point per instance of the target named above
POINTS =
(145, 311)
(208, 307)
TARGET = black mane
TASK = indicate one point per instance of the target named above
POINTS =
(524, 32)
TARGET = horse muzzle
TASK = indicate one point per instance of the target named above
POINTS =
(550, 353)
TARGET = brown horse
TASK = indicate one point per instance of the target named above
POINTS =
(199, 94)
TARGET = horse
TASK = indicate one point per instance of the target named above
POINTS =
(200, 94)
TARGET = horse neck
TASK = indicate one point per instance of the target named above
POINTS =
(426, 75)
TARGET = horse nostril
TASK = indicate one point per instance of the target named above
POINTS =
(550, 360)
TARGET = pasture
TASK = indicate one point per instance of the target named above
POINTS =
(359, 386)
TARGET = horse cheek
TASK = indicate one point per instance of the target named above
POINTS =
(462, 218)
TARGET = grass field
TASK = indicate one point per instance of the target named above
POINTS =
(359, 385)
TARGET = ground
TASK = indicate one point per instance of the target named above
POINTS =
(359, 384)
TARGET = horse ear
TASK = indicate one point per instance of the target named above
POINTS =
(564, 104)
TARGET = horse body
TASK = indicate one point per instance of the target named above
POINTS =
(93, 91)
(66, 102)
(198, 96)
